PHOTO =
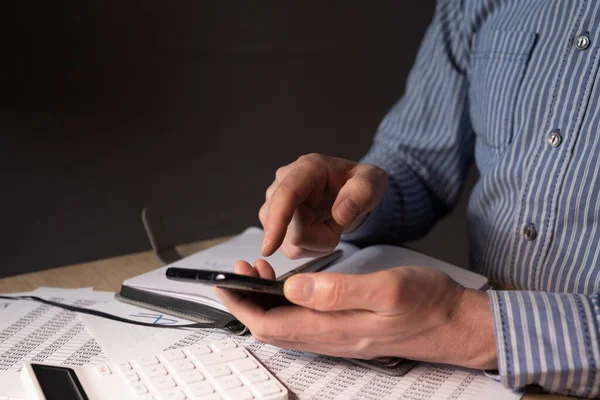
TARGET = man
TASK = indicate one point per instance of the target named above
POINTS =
(514, 85)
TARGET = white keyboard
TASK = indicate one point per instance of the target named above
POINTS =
(215, 371)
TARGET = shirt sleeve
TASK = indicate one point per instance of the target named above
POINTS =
(548, 339)
(425, 142)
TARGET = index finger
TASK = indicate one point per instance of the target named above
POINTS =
(293, 190)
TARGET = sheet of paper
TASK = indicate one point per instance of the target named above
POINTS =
(381, 257)
(106, 331)
(312, 376)
(30, 331)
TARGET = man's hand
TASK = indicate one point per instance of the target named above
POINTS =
(412, 312)
(313, 200)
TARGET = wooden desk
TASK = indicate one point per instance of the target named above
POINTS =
(108, 274)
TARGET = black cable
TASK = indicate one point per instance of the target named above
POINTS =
(102, 314)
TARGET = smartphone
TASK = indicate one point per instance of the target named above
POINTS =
(227, 280)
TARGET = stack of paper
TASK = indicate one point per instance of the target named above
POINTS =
(31, 331)
(307, 375)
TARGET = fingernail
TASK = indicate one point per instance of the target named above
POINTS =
(264, 245)
(299, 288)
(347, 211)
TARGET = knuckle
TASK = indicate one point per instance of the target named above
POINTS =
(365, 186)
(280, 173)
(262, 214)
(374, 170)
(336, 293)
(288, 190)
(392, 293)
(294, 238)
(312, 158)
(294, 252)
(269, 191)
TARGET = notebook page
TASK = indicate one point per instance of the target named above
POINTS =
(222, 257)
(380, 257)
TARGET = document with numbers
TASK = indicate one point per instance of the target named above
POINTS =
(313, 376)
(31, 331)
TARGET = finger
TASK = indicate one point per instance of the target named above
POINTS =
(291, 192)
(304, 233)
(380, 292)
(244, 268)
(292, 252)
(262, 214)
(360, 194)
(244, 309)
(270, 190)
(303, 325)
(264, 269)
(346, 350)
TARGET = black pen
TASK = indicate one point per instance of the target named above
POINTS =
(315, 265)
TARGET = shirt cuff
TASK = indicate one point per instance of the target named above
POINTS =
(548, 339)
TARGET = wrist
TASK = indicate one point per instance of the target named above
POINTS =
(474, 324)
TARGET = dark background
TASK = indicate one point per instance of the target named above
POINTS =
(187, 105)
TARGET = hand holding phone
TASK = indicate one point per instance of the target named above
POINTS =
(244, 283)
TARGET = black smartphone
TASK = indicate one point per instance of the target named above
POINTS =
(227, 280)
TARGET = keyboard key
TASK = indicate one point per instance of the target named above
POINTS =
(131, 376)
(215, 371)
(147, 396)
(266, 388)
(163, 382)
(244, 365)
(182, 365)
(152, 371)
(103, 370)
(124, 365)
(200, 349)
(139, 388)
(213, 396)
(173, 394)
(144, 361)
(255, 376)
(191, 376)
(224, 344)
(239, 394)
(172, 355)
(222, 357)
(228, 382)
(202, 388)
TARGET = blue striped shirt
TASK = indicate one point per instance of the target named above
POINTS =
(513, 86)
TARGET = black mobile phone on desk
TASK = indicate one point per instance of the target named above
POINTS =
(227, 280)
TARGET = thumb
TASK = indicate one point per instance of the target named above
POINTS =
(360, 194)
(328, 291)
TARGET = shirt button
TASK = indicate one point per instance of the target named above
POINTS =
(582, 42)
(554, 139)
(529, 232)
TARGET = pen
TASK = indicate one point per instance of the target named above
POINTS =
(315, 265)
